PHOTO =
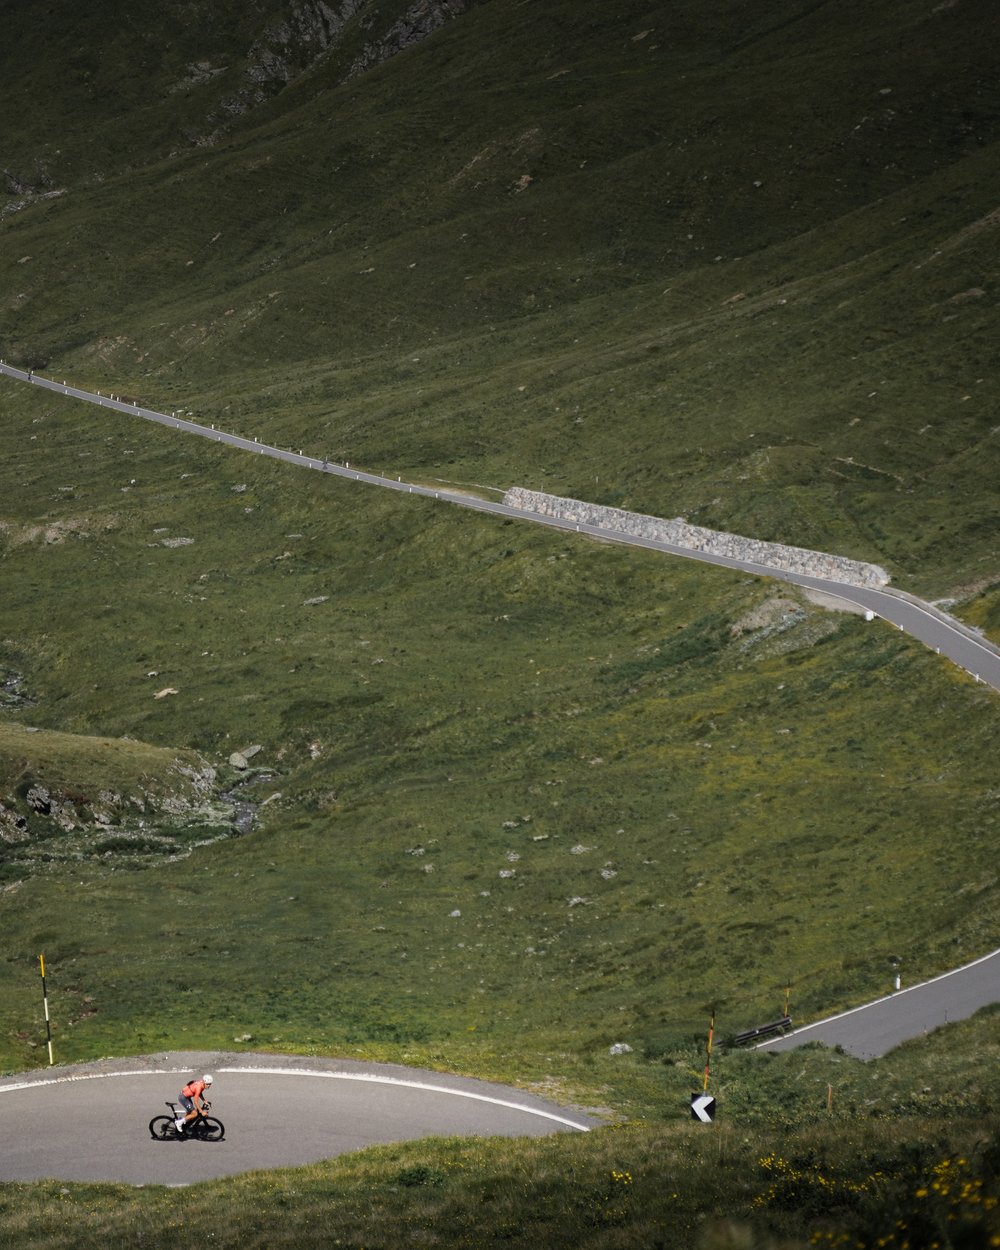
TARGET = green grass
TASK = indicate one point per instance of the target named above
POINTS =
(665, 788)
(102, 762)
(741, 268)
(632, 1186)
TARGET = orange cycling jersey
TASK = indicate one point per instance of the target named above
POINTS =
(193, 1089)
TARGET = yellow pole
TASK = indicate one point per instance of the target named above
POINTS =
(45, 1002)
(708, 1050)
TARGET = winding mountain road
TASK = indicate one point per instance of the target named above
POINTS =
(933, 627)
(88, 1122)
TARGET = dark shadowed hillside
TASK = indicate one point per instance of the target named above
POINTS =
(744, 260)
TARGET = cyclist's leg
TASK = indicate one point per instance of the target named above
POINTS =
(188, 1104)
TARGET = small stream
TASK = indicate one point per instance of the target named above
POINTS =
(245, 810)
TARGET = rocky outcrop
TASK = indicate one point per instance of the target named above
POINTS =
(41, 823)
(312, 28)
(419, 21)
(13, 826)
(289, 47)
(679, 533)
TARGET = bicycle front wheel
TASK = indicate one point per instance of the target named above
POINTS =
(210, 1129)
(161, 1128)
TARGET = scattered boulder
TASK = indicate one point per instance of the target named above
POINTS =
(39, 800)
(241, 759)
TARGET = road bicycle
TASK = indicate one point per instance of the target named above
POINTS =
(202, 1128)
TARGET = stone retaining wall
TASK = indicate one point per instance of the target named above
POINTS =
(696, 538)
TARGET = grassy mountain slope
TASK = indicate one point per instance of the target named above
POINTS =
(462, 716)
(739, 266)
(518, 797)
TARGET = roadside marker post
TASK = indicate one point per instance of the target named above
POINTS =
(45, 1002)
(703, 1104)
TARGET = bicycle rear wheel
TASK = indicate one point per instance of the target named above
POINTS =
(161, 1128)
(209, 1129)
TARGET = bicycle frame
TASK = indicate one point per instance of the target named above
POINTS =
(202, 1127)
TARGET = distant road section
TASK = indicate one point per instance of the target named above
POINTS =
(869, 1032)
(931, 626)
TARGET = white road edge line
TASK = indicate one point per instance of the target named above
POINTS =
(437, 1089)
(884, 999)
(336, 1076)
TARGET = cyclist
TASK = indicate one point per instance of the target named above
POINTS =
(190, 1100)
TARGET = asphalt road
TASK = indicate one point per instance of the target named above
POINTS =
(90, 1122)
(871, 1031)
(933, 627)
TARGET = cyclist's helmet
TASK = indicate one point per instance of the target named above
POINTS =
(207, 1079)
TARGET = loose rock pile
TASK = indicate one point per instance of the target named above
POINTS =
(696, 538)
